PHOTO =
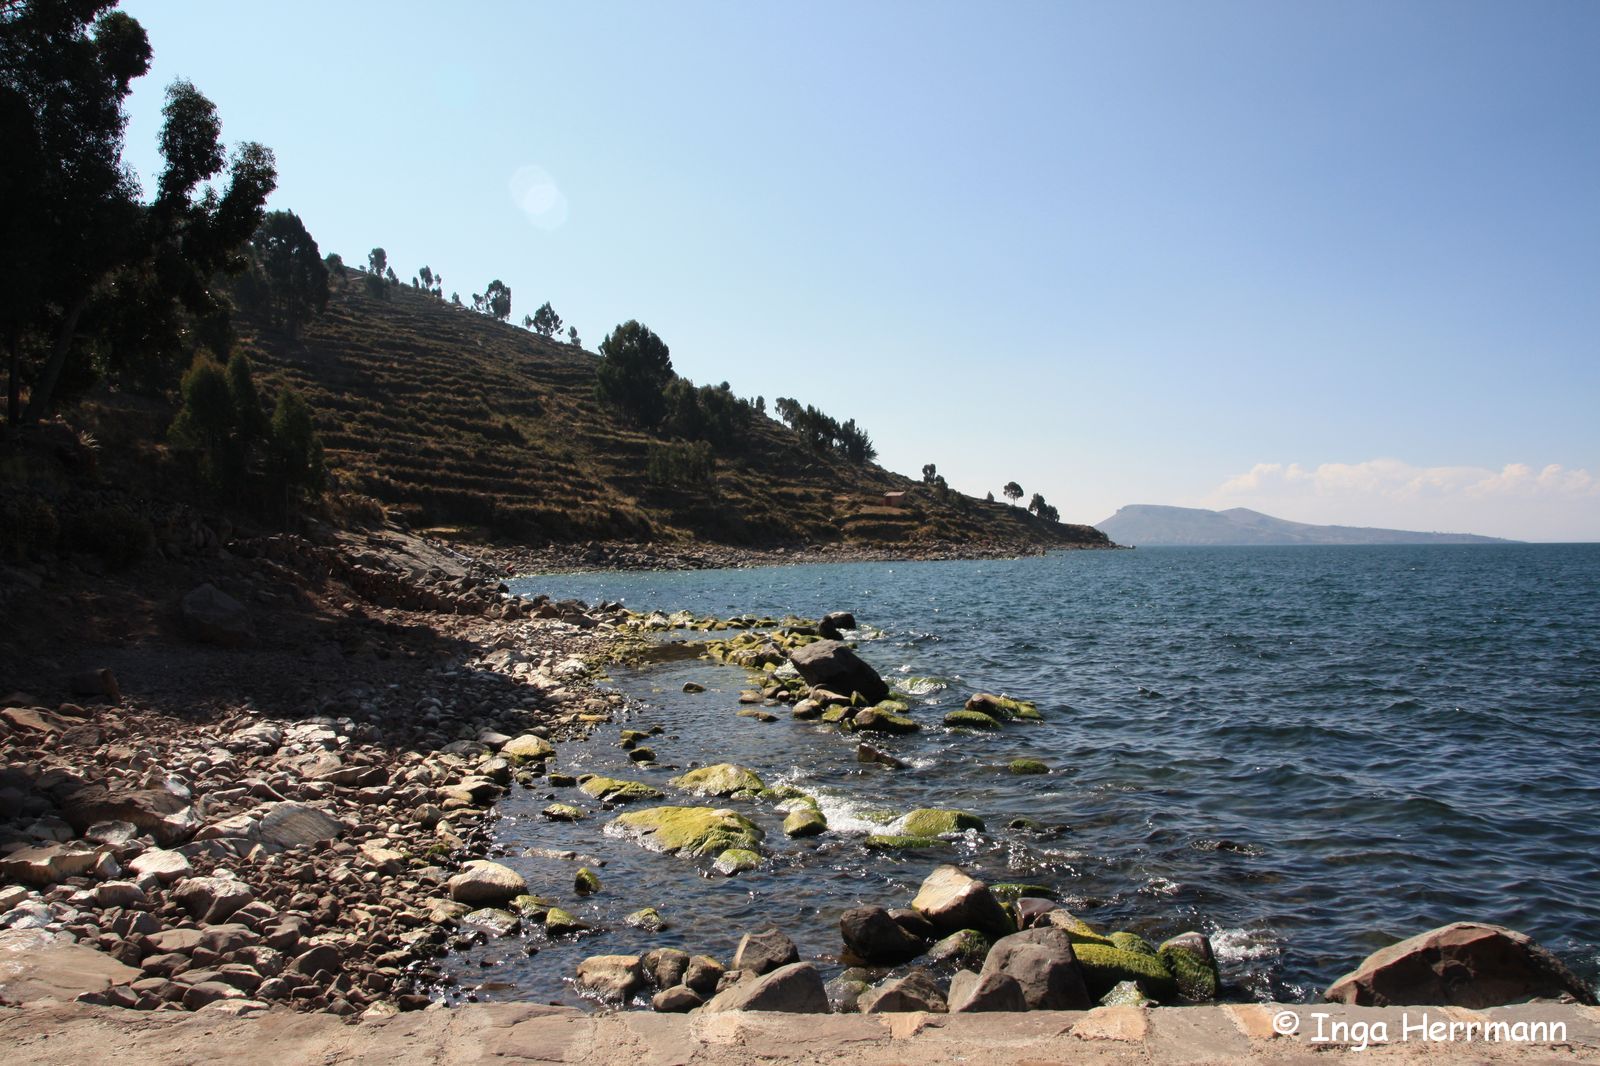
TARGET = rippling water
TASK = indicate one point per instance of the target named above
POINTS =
(1305, 752)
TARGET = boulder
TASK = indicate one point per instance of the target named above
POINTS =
(736, 861)
(879, 720)
(965, 948)
(917, 990)
(665, 967)
(764, 952)
(1463, 964)
(211, 616)
(168, 818)
(527, 748)
(951, 900)
(876, 939)
(647, 918)
(695, 831)
(1193, 965)
(611, 977)
(294, 825)
(585, 882)
(834, 623)
(796, 989)
(1043, 963)
(935, 822)
(47, 864)
(993, 991)
(679, 999)
(212, 899)
(1105, 965)
(804, 822)
(723, 779)
(831, 665)
(1003, 707)
(704, 974)
(970, 720)
(165, 866)
(1024, 767)
(487, 882)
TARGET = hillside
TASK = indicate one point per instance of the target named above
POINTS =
(1156, 526)
(450, 418)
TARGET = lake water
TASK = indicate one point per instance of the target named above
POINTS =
(1306, 753)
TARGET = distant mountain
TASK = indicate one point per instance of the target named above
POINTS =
(1156, 526)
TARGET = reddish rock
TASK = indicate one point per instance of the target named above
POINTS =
(1464, 964)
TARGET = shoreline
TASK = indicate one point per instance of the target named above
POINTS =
(419, 667)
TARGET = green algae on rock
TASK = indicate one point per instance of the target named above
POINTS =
(1193, 965)
(934, 822)
(970, 720)
(805, 822)
(696, 831)
(736, 860)
(1011, 891)
(900, 842)
(722, 779)
(562, 923)
(586, 882)
(617, 790)
(1027, 766)
(1104, 967)
(562, 812)
(1004, 707)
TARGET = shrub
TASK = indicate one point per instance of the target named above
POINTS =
(680, 464)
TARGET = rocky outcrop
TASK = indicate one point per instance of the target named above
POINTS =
(1464, 964)
(831, 665)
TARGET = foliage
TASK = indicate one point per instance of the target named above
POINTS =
(929, 472)
(680, 463)
(291, 266)
(335, 264)
(546, 323)
(497, 300)
(709, 413)
(572, 337)
(822, 433)
(112, 283)
(1042, 509)
(296, 460)
(377, 261)
(206, 425)
(634, 370)
(1012, 490)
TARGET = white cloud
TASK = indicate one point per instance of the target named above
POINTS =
(538, 196)
(1552, 502)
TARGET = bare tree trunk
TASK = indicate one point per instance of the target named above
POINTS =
(44, 389)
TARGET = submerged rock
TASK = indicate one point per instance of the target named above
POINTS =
(1003, 707)
(723, 779)
(805, 822)
(970, 720)
(696, 831)
(736, 861)
(1027, 766)
(1464, 964)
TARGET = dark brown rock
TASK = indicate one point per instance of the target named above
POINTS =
(1042, 962)
(831, 665)
(1464, 964)
(917, 990)
(971, 992)
(876, 939)
(763, 952)
(796, 988)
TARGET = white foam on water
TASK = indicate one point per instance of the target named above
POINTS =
(1160, 886)
(1244, 945)
(846, 816)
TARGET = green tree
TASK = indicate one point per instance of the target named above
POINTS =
(297, 464)
(378, 261)
(572, 337)
(929, 472)
(546, 323)
(70, 209)
(497, 300)
(426, 274)
(335, 264)
(1013, 491)
(249, 420)
(634, 370)
(296, 276)
(1042, 509)
(206, 425)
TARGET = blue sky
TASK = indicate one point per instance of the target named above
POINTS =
(1339, 262)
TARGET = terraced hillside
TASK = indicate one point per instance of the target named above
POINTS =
(451, 418)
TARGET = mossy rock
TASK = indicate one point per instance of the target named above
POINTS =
(966, 948)
(835, 715)
(562, 812)
(1027, 766)
(633, 736)
(934, 822)
(558, 922)
(877, 720)
(1104, 966)
(723, 779)
(1011, 891)
(892, 707)
(900, 842)
(736, 861)
(1004, 707)
(970, 720)
(1193, 965)
(1132, 942)
(696, 831)
(805, 822)
(1077, 928)
(642, 755)
(586, 882)
(533, 908)
(561, 780)
(647, 918)
(880, 815)
(616, 790)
